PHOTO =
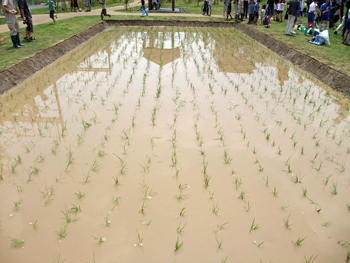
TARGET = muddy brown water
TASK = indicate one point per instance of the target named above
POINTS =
(167, 111)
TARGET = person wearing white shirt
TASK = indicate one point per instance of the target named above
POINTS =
(311, 15)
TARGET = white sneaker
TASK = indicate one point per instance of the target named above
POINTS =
(293, 32)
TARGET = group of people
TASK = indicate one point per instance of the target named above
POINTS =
(23, 6)
(12, 21)
(319, 14)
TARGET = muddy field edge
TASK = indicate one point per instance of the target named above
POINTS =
(332, 77)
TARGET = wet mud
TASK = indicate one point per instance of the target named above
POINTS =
(173, 144)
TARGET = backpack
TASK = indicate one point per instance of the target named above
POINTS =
(266, 21)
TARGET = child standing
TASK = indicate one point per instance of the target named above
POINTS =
(256, 12)
(280, 9)
(143, 8)
(104, 9)
(229, 7)
(325, 13)
(311, 15)
(263, 8)
(251, 11)
(52, 7)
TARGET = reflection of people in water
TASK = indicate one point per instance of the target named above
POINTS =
(283, 70)
(342, 114)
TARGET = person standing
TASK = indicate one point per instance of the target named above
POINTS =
(292, 13)
(270, 8)
(311, 15)
(251, 11)
(245, 8)
(225, 7)
(27, 19)
(88, 5)
(12, 22)
(325, 13)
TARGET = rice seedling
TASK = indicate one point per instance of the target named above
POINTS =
(279, 151)
(116, 180)
(182, 212)
(326, 224)
(181, 229)
(289, 169)
(95, 166)
(62, 233)
(115, 199)
(48, 200)
(35, 225)
(106, 219)
(75, 209)
(254, 226)
(342, 165)
(79, 194)
(86, 125)
(178, 245)
(207, 180)
(310, 259)
(327, 179)
(334, 190)
(343, 243)
(100, 239)
(286, 223)
(86, 178)
(17, 242)
(348, 206)
(238, 182)
(299, 241)
(304, 191)
(319, 168)
(302, 150)
(219, 244)
(142, 210)
(17, 203)
(215, 209)
(67, 215)
(242, 194)
(348, 257)
(274, 191)
(183, 186)
(180, 196)
(227, 158)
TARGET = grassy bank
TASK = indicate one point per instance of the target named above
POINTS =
(336, 55)
(46, 34)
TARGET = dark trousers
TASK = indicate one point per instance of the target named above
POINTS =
(245, 9)
(251, 18)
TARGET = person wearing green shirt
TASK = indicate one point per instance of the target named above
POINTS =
(52, 7)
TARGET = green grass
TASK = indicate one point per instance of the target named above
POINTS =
(46, 34)
(94, 5)
(191, 7)
(336, 55)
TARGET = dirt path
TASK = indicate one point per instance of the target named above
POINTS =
(44, 18)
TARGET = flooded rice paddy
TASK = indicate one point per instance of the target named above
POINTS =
(174, 145)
